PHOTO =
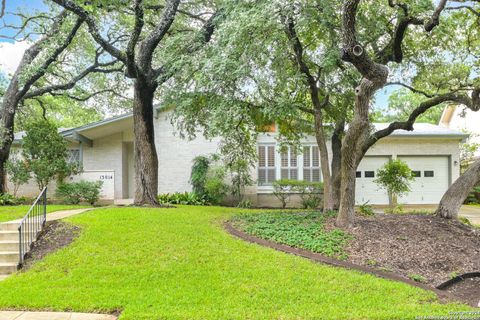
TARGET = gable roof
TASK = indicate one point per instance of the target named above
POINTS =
(420, 129)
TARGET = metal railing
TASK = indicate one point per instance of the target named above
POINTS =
(31, 225)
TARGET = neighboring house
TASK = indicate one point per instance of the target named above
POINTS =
(464, 120)
(105, 150)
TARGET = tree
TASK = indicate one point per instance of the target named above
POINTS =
(45, 151)
(395, 177)
(371, 63)
(456, 194)
(47, 69)
(18, 172)
(264, 68)
(153, 36)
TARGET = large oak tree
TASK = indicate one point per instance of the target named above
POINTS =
(155, 34)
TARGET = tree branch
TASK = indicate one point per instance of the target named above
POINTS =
(150, 43)
(56, 52)
(472, 103)
(93, 28)
(137, 30)
(428, 95)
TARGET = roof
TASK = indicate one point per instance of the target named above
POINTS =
(420, 129)
(424, 130)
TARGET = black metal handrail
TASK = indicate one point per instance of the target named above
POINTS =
(31, 225)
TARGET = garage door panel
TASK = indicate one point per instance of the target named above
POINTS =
(427, 189)
(366, 190)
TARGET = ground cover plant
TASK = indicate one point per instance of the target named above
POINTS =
(8, 213)
(297, 229)
(179, 263)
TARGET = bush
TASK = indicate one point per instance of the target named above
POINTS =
(18, 172)
(395, 177)
(45, 152)
(215, 187)
(282, 190)
(186, 198)
(7, 199)
(310, 192)
(77, 192)
(198, 176)
(366, 210)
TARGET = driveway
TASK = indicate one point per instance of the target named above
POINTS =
(470, 212)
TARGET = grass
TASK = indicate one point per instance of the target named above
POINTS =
(8, 213)
(296, 229)
(180, 264)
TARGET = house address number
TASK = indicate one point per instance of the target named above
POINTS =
(106, 177)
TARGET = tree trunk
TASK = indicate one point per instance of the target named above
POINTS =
(145, 154)
(9, 106)
(455, 196)
(353, 150)
(336, 162)
(324, 162)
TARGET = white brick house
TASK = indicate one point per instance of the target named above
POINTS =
(105, 150)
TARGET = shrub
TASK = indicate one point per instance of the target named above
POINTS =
(245, 203)
(366, 210)
(18, 172)
(215, 187)
(77, 192)
(7, 199)
(310, 192)
(282, 190)
(45, 152)
(187, 198)
(198, 176)
(395, 176)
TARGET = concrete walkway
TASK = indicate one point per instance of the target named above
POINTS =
(472, 213)
(23, 315)
(57, 215)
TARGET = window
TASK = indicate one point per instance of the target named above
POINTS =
(417, 174)
(428, 174)
(311, 164)
(369, 174)
(266, 165)
(358, 174)
(289, 169)
(73, 156)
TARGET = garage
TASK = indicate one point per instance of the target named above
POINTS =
(431, 178)
(366, 190)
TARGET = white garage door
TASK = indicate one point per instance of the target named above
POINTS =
(431, 179)
(365, 189)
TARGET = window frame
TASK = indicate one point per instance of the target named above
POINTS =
(267, 167)
(311, 167)
(291, 155)
(79, 161)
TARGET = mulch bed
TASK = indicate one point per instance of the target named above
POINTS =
(55, 236)
(467, 290)
(433, 248)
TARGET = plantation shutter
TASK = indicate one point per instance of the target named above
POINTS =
(266, 165)
(311, 164)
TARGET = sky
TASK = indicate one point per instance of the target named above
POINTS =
(11, 51)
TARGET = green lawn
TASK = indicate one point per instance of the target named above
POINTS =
(8, 213)
(180, 264)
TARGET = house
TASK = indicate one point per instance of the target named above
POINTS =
(464, 120)
(105, 151)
